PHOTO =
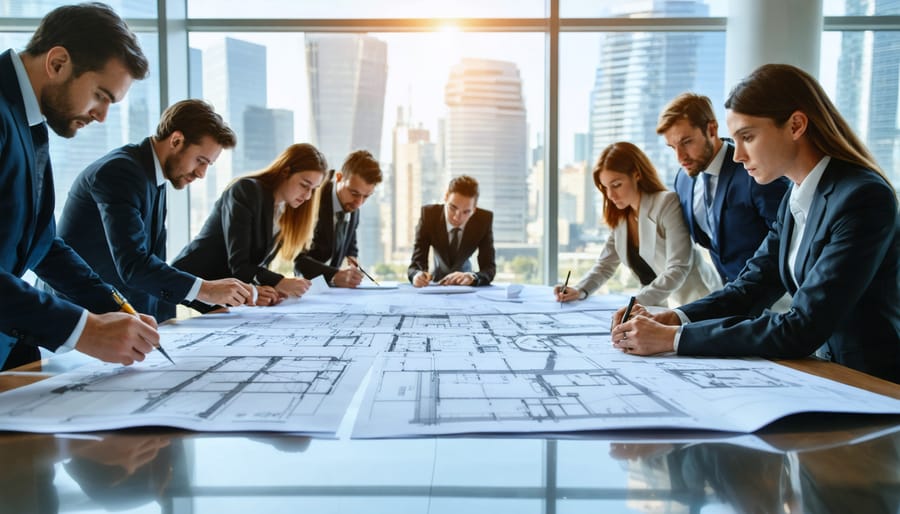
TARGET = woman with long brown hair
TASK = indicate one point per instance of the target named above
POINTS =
(648, 234)
(272, 212)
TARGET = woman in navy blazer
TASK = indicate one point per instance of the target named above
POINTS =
(648, 234)
(835, 245)
(258, 217)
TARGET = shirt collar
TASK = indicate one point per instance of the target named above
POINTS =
(802, 195)
(160, 176)
(32, 107)
(335, 201)
(715, 165)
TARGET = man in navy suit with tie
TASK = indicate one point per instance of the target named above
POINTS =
(80, 60)
(727, 212)
(455, 229)
(116, 211)
(334, 238)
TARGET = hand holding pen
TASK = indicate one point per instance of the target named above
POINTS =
(126, 307)
(355, 262)
(118, 337)
(565, 293)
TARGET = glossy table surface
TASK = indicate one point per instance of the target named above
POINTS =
(806, 463)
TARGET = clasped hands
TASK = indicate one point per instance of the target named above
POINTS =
(457, 278)
(644, 333)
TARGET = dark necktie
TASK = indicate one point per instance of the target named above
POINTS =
(40, 140)
(159, 245)
(708, 197)
(340, 234)
(454, 244)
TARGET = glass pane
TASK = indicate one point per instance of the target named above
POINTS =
(642, 8)
(38, 8)
(612, 88)
(474, 106)
(870, 102)
(338, 9)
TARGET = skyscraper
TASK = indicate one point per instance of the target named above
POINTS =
(347, 76)
(269, 132)
(486, 137)
(639, 72)
(417, 181)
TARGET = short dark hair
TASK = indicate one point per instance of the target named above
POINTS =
(463, 185)
(195, 119)
(362, 163)
(93, 34)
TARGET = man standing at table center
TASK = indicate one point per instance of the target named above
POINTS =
(726, 211)
(334, 239)
(455, 229)
(80, 60)
(116, 211)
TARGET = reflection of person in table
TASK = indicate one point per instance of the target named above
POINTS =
(454, 230)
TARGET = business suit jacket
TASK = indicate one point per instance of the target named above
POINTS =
(665, 245)
(29, 317)
(115, 219)
(744, 210)
(236, 240)
(849, 283)
(431, 232)
(316, 261)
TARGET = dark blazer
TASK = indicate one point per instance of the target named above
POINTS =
(848, 269)
(319, 259)
(744, 209)
(431, 232)
(236, 240)
(29, 317)
(115, 219)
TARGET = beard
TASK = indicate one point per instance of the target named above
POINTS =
(56, 106)
(170, 170)
(703, 162)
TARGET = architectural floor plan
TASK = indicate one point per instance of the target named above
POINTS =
(422, 364)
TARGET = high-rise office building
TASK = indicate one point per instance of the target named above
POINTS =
(626, 100)
(267, 133)
(486, 137)
(347, 75)
(417, 181)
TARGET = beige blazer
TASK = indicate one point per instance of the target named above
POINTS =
(665, 244)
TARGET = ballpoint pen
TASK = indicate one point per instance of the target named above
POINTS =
(356, 263)
(125, 306)
(566, 283)
(628, 310)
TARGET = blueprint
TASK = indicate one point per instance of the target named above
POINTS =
(419, 365)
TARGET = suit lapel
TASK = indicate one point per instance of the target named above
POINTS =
(784, 244)
(726, 173)
(647, 221)
(814, 221)
(442, 238)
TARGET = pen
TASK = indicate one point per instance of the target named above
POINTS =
(125, 306)
(356, 263)
(566, 283)
(627, 310)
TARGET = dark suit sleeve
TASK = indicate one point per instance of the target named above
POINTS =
(119, 189)
(241, 208)
(766, 198)
(856, 242)
(487, 267)
(421, 246)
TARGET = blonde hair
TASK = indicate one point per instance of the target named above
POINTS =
(296, 224)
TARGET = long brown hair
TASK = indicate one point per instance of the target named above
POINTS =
(296, 225)
(775, 91)
(626, 158)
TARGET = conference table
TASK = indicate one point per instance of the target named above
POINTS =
(803, 463)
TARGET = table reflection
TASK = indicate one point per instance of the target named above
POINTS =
(853, 467)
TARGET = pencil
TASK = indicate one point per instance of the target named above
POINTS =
(125, 306)
(356, 263)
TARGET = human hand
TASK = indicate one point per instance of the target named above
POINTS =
(118, 337)
(128, 452)
(289, 286)
(636, 309)
(225, 291)
(268, 296)
(421, 279)
(457, 278)
(347, 277)
(641, 335)
(570, 294)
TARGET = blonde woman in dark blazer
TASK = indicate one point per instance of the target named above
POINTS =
(648, 234)
(257, 218)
